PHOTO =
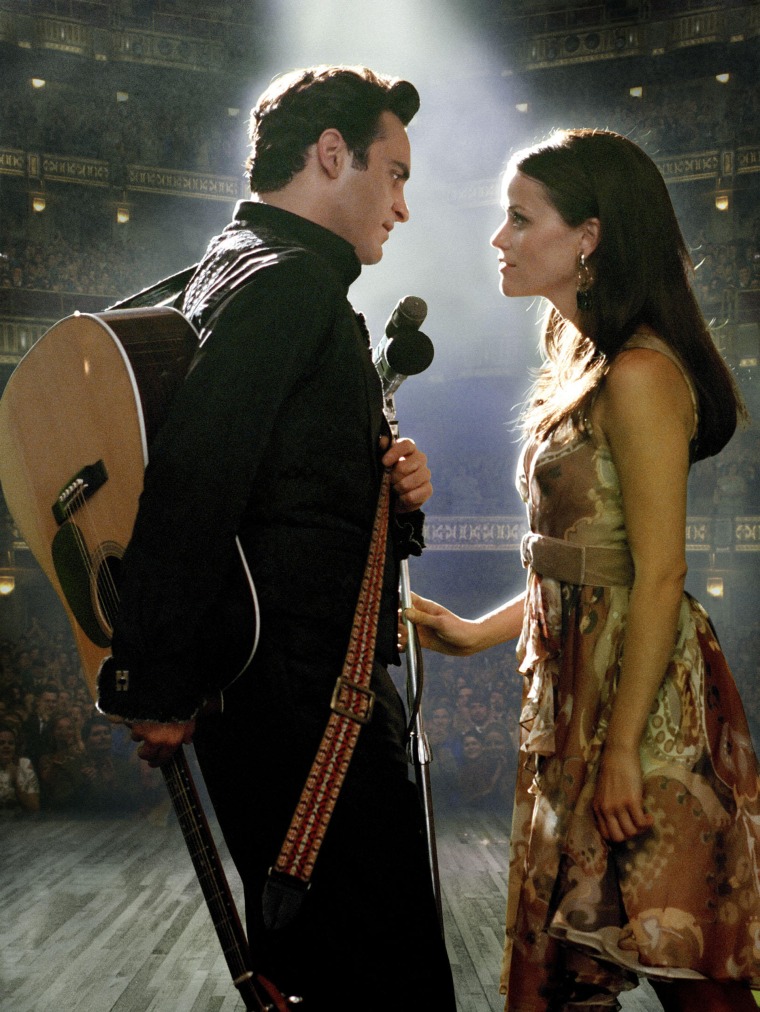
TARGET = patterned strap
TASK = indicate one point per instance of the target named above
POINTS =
(351, 706)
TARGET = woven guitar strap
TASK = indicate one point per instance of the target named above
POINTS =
(351, 706)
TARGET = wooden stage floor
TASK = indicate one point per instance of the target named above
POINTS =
(106, 916)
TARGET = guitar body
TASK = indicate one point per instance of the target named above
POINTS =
(76, 422)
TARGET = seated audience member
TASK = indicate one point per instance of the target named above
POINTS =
(60, 766)
(478, 713)
(110, 784)
(462, 721)
(481, 774)
(445, 751)
(34, 731)
(19, 787)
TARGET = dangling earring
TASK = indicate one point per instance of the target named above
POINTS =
(584, 296)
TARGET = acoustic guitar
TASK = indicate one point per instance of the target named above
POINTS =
(76, 422)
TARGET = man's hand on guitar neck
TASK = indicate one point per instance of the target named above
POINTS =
(161, 741)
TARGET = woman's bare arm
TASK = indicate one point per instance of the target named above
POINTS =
(646, 414)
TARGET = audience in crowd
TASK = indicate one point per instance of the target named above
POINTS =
(89, 768)
(471, 710)
(194, 131)
(200, 129)
(19, 787)
(63, 264)
(61, 763)
(57, 754)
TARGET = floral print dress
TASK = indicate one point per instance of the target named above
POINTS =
(586, 918)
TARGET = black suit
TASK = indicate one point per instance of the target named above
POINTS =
(34, 739)
(274, 438)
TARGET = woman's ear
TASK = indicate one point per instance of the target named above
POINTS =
(591, 233)
(590, 236)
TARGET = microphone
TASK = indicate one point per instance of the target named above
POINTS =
(410, 313)
(404, 350)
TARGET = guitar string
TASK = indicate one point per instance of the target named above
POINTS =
(99, 571)
(184, 795)
(78, 503)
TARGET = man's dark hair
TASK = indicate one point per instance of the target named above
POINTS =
(298, 107)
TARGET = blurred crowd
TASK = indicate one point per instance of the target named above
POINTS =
(728, 485)
(58, 755)
(193, 130)
(183, 120)
(686, 115)
(64, 264)
(723, 269)
(471, 710)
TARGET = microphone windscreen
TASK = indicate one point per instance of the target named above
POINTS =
(410, 353)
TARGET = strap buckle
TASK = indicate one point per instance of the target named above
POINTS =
(347, 693)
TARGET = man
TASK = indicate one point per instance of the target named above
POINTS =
(278, 437)
(110, 784)
(34, 740)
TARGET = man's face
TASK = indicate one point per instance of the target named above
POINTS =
(370, 201)
(478, 711)
(46, 704)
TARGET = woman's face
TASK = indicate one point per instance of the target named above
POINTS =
(538, 250)
(7, 748)
(471, 747)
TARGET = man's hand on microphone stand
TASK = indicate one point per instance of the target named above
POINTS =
(410, 475)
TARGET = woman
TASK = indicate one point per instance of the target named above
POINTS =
(63, 766)
(635, 825)
(19, 789)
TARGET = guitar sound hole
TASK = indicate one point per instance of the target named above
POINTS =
(106, 584)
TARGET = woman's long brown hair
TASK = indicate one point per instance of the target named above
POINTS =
(641, 269)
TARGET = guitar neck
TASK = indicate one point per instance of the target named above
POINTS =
(257, 993)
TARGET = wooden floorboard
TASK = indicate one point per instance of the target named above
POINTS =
(106, 916)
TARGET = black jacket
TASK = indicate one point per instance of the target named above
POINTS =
(273, 438)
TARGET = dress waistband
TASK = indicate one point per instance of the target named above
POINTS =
(594, 565)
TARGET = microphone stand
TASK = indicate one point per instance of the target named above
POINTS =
(418, 747)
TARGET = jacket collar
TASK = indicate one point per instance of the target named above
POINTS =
(293, 228)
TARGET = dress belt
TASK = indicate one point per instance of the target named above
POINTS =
(593, 565)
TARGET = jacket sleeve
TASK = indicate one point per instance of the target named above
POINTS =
(201, 469)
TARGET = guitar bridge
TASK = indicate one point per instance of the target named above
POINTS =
(77, 491)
